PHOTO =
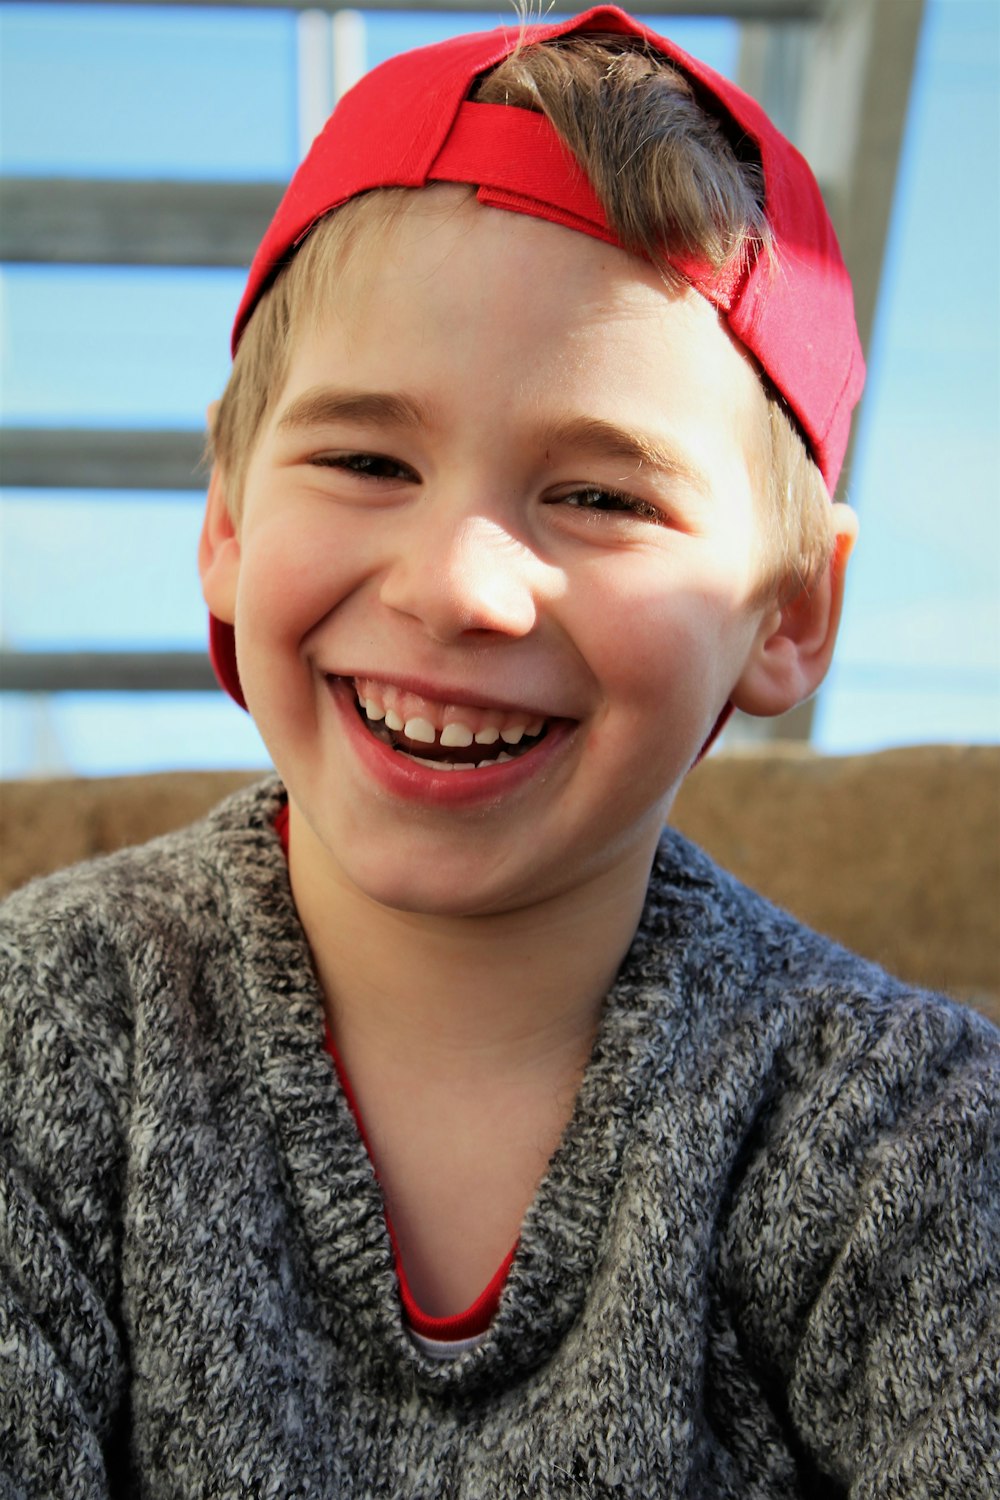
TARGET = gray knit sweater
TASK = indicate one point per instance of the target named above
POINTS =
(763, 1262)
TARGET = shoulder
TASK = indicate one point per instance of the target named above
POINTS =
(126, 892)
(100, 966)
(762, 959)
(837, 1063)
(857, 1229)
(77, 947)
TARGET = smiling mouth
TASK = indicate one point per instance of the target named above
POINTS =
(443, 737)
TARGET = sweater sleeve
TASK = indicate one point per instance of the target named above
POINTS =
(63, 1075)
(872, 1300)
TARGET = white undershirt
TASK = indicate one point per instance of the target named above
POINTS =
(446, 1348)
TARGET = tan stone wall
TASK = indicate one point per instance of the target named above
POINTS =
(896, 854)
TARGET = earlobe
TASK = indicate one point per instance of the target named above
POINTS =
(219, 552)
(793, 650)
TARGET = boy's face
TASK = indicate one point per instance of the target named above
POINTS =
(505, 485)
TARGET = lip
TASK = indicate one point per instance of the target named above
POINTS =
(409, 781)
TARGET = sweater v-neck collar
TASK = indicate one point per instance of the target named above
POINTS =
(330, 1175)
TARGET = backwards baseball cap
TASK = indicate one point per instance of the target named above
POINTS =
(410, 123)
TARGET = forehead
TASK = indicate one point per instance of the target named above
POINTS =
(431, 288)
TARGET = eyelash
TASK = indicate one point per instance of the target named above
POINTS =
(377, 466)
(621, 503)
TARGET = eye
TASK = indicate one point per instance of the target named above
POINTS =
(366, 465)
(595, 499)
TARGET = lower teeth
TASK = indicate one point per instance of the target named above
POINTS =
(457, 765)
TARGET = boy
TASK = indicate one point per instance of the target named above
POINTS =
(422, 1124)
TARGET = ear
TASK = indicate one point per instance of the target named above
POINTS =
(219, 552)
(793, 650)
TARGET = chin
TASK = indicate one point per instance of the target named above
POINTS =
(443, 886)
(431, 898)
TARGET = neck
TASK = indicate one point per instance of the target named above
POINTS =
(490, 995)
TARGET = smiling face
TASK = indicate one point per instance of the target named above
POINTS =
(493, 574)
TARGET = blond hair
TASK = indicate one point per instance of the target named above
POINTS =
(670, 183)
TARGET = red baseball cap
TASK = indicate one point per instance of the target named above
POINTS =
(410, 122)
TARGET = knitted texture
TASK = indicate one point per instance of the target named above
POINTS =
(762, 1263)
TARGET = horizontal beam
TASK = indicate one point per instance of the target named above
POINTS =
(742, 10)
(87, 221)
(106, 672)
(101, 459)
(110, 222)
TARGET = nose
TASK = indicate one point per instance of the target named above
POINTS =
(468, 576)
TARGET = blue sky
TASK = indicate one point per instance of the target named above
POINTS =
(919, 655)
(175, 92)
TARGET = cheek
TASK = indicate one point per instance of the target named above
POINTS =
(665, 661)
(641, 641)
(278, 599)
(288, 575)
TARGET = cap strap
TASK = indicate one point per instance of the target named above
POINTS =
(510, 151)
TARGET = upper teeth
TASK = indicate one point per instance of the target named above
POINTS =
(454, 734)
(417, 729)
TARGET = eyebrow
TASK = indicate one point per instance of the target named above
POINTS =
(322, 406)
(597, 438)
(593, 437)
